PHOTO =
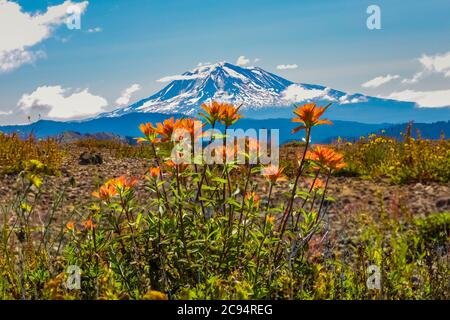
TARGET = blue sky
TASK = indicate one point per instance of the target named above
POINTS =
(122, 43)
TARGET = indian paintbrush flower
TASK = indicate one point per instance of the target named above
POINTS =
(309, 115)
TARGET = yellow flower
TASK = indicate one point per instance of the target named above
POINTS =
(155, 295)
(270, 219)
(70, 226)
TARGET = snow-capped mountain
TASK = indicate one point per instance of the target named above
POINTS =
(264, 95)
(253, 88)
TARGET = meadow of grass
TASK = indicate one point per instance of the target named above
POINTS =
(207, 231)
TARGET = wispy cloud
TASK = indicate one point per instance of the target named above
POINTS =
(416, 77)
(434, 98)
(20, 31)
(95, 30)
(60, 103)
(242, 61)
(125, 98)
(5, 113)
(287, 66)
(378, 81)
(438, 63)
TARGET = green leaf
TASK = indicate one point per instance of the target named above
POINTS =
(138, 218)
(220, 180)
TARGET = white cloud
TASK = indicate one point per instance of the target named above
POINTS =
(378, 81)
(242, 61)
(10, 60)
(298, 93)
(417, 76)
(5, 113)
(346, 99)
(435, 98)
(60, 103)
(287, 66)
(437, 63)
(20, 31)
(95, 30)
(127, 93)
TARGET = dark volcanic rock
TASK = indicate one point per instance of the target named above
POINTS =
(443, 203)
(87, 158)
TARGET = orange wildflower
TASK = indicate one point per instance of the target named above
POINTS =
(155, 172)
(318, 184)
(192, 126)
(252, 197)
(70, 226)
(229, 115)
(181, 167)
(229, 152)
(273, 174)
(213, 111)
(251, 146)
(89, 224)
(149, 132)
(309, 115)
(106, 191)
(170, 164)
(326, 157)
(124, 183)
(166, 128)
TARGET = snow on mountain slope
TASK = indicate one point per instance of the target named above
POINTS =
(253, 88)
(264, 95)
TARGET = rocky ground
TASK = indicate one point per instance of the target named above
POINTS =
(352, 194)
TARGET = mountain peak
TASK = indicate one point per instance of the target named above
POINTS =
(251, 87)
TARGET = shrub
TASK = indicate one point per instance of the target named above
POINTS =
(401, 161)
(15, 152)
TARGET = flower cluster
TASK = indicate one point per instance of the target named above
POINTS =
(114, 187)
(223, 112)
